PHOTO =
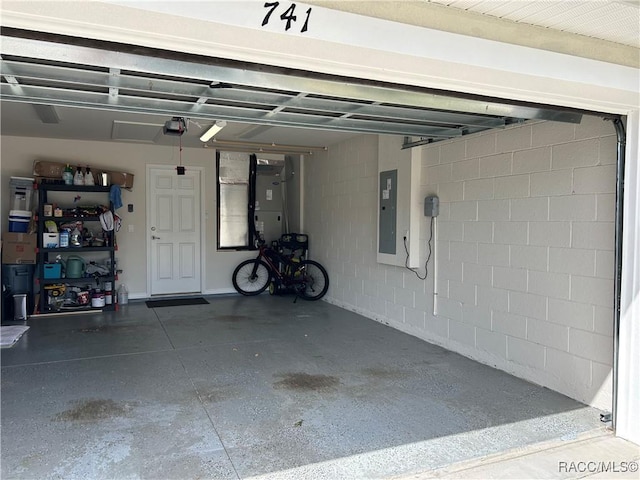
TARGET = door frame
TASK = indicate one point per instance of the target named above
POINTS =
(203, 250)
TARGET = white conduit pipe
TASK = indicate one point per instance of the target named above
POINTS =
(435, 266)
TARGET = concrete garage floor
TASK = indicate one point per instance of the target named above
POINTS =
(256, 388)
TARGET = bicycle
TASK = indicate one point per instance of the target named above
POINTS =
(281, 272)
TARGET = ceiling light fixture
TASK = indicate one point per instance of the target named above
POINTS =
(215, 128)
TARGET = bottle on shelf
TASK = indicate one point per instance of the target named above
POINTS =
(78, 178)
(76, 238)
(67, 175)
(88, 177)
(64, 238)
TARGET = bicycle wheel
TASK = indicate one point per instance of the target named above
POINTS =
(246, 282)
(314, 280)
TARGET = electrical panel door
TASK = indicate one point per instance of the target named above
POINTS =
(388, 212)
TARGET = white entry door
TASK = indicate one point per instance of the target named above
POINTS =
(174, 231)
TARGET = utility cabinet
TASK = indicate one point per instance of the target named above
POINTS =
(80, 275)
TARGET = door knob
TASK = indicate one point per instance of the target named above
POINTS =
(153, 237)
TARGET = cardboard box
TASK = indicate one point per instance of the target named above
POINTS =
(19, 247)
(125, 180)
(50, 240)
(44, 168)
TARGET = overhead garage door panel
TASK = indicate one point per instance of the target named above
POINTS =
(37, 71)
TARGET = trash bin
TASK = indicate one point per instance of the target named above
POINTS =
(19, 306)
(17, 279)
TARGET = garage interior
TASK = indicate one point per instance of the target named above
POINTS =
(371, 383)
(257, 387)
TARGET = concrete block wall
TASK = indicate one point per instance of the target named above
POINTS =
(525, 249)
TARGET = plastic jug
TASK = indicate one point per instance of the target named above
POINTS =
(78, 178)
(88, 177)
(123, 294)
(64, 238)
(67, 175)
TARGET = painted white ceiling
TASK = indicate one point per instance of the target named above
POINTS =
(616, 21)
(610, 20)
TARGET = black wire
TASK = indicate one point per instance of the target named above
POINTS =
(426, 263)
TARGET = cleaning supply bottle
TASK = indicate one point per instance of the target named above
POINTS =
(88, 177)
(78, 178)
(123, 294)
(67, 175)
(75, 238)
(64, 238)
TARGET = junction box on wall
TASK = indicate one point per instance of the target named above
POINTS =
(431, 206)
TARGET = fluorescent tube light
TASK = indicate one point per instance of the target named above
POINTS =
(215, 128)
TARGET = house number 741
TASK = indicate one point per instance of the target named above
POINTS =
(289, 16)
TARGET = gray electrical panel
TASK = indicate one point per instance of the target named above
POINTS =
(388, 211)
(431, 206)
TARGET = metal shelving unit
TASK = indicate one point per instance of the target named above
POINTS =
(43, 254)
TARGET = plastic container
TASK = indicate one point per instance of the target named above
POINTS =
(52, 270)
(67, 175)
(21, 193)
(19, 220)
(108, 294)
(123, 295)
(64, 238)
(104, 179)
(88, 177)
(78, 178)
(50, 240)
(75, 238)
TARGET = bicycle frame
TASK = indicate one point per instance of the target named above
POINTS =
(282, 271)
(282, 276)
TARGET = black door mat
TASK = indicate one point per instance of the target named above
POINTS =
(176, 302)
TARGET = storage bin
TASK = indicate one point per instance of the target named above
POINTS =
(52, 270)
(19, 220)
(50, 240)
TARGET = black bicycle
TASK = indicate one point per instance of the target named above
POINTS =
(282, 270)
